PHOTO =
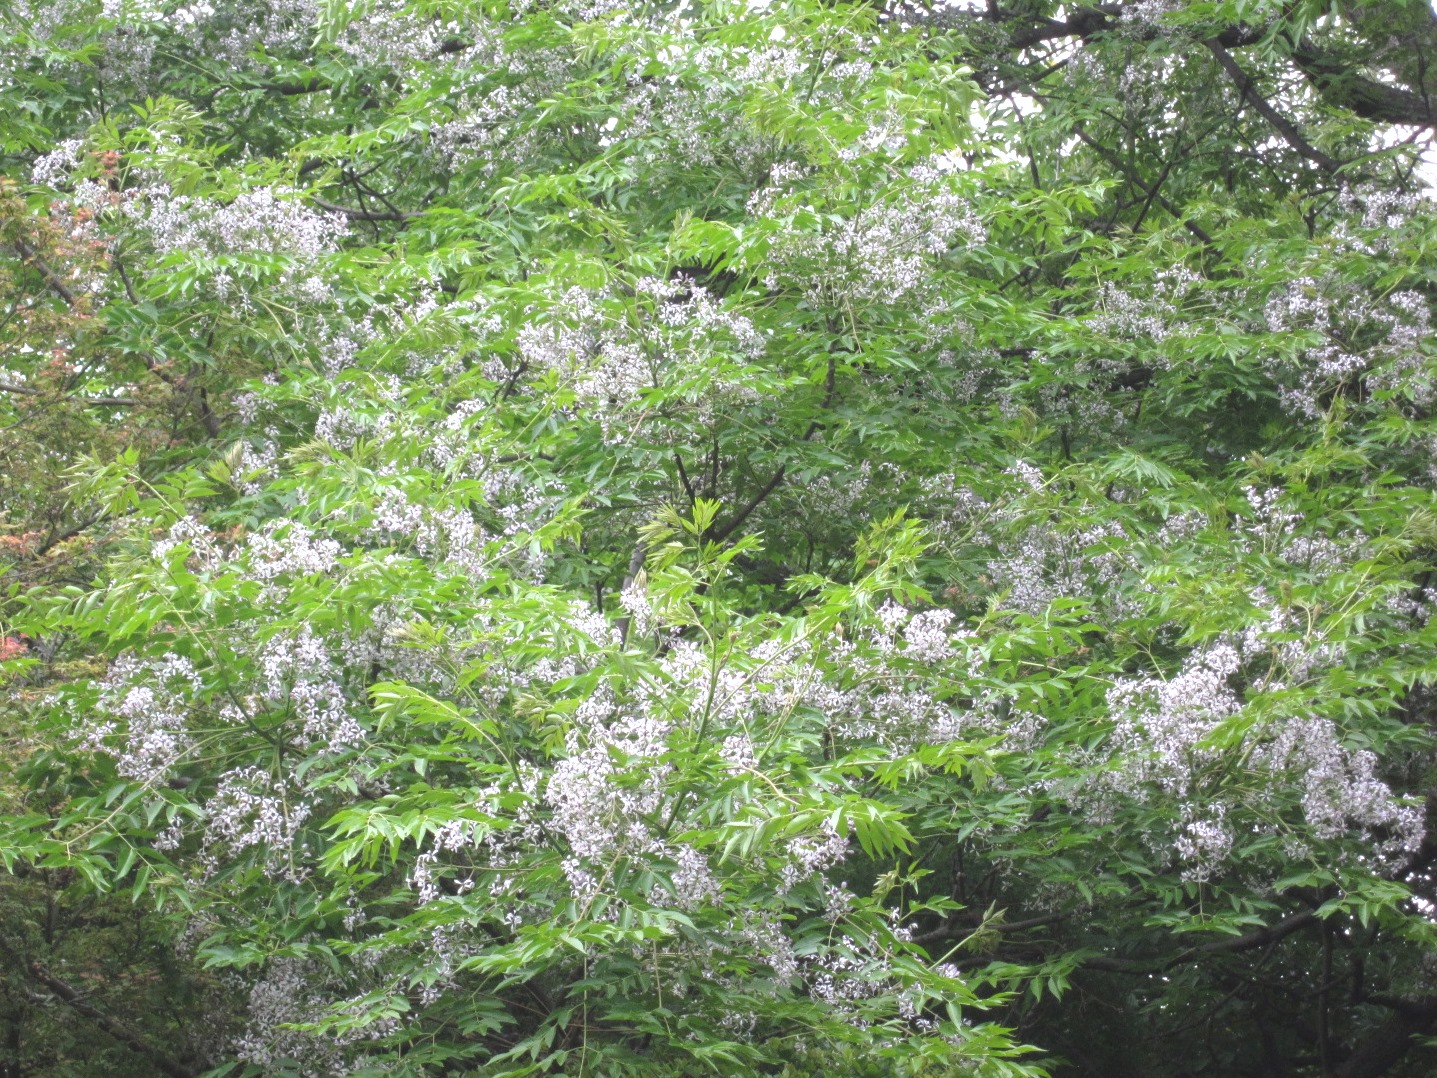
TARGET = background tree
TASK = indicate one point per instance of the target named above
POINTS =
(773, 538)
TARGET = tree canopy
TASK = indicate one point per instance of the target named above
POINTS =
(748, 537)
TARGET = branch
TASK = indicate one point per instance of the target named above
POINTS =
(1152, 193)
(312, 84)
(1385, 1047)
(53, 279)
(366, 215)
(953, 928)
(636, 563)
(113, 1026)
(1284, 126)
(1260, 937)
(1089, 22)
(1084, 22)
(108, 402)
(684, 478)
(1335, 79)
(752, 504)
(829, 380)
(125, 280)
(1340, 86)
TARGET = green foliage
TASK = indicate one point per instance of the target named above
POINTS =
(806, 538)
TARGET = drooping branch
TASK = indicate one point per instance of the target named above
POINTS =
(1385, 1047)
(1259, 937)
(113, 1026)
(57, 284)
(1285, 127)
(1335, 78)
(366, 215)
(1151, 193)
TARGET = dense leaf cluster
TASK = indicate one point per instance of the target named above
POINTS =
(579, 537)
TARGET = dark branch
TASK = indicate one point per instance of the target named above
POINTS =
(1152, 193)
(1260, 937)
(1341, 87)
(113, 1026)
(1386, 1046)
(366, 215)
(1285, 127)
(830, 379)
(53, 279)
(1335, 79)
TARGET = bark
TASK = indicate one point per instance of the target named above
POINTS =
(113, 1026)
(1384, 1049)
(1338, 79)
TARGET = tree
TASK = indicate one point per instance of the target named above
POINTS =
(590, 538)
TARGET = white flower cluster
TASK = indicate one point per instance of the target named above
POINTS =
(1271, 528)
(252, 808)
(725, 693)
(687, 117)
(1282, 639)
(289, 548)
(254, 464)
(488, 133)
(1340, 788)
(1204, 842)
(284, 997)
(442, 535)
(384, 643)
(187, 531)
(635, 601)
(266, 221)
(880, 686)
(580, 341)
(762, 936)
(810, 856)
(611, 354)
(295, 992)
(881, 252)
(1268, 527)
(454, 836)
(263, 221)
(1045, 563)
(390, 33)
(148, 703)
(1161, 724)
(1382, 344)
(605, 793)
(694, 882)
(1141, 16)
(298, 673)
(1163, 747)
(1181, 527)
(1376, 220)
(1155, 316)
(54, 168)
